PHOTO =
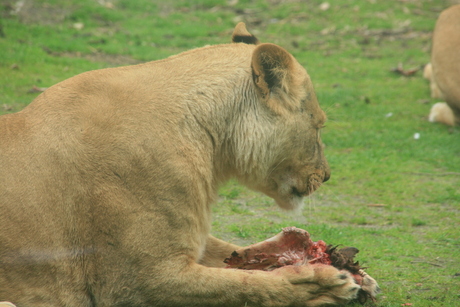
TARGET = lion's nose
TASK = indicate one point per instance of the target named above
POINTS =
(327, 175)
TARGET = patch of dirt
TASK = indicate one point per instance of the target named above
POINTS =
(112, 59)
(30, 12)
(96, 56)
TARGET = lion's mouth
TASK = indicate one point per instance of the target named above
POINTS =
(313, 184)
(290, 192)
(297, 193)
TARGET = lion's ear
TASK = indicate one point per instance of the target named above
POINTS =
(241, 35)
(271, 68)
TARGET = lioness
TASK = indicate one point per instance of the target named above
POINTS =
(445, 62)
(107, 181)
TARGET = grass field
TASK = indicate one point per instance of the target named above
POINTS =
(393, 196)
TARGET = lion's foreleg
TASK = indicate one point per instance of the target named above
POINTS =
(216, 251)
(163, 271)
(307, 285)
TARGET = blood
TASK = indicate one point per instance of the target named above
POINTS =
(318, 250)
(293, 246)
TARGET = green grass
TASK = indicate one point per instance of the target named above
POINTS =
(394, 197)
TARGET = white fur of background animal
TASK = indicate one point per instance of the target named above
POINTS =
(441, 113)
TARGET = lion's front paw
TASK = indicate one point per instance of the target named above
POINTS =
(369, 287)
(334, 285)
(319, 285)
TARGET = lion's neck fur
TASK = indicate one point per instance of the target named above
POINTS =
(225, 108)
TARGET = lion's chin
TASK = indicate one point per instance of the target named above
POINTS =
(289, 194)
(292, 203)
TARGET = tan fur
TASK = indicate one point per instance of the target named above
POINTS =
(107, 181)
(445, 58)
(441, 113)
(434, 88)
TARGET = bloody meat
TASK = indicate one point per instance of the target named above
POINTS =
(293, 246)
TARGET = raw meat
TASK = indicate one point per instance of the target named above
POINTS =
(293, 246)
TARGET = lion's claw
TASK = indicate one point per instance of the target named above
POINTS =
(332, 286)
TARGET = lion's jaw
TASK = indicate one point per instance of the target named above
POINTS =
(290, 190)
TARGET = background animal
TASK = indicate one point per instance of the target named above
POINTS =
(441, 112)
(434, 88)
(445, 62)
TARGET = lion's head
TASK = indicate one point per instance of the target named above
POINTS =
(282, 155)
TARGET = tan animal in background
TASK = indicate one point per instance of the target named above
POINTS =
(445, 62)
(440, 112)
(434, 88)
(107, 181)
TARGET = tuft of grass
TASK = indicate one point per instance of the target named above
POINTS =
(231, 190)
(418, 222)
